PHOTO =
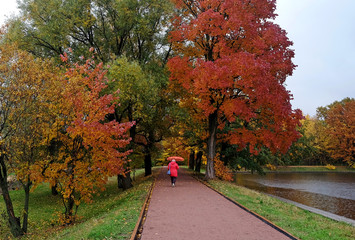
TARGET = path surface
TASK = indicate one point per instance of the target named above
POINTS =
(190, 210)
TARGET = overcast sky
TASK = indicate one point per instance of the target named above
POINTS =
(323, 34)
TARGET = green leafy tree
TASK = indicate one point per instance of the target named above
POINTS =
(135, 28)
(144, 102)
(135, 89)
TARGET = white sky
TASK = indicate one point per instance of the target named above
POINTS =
(7, 8)
(323, 33)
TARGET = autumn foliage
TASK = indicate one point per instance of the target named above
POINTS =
(340, 121)
(88, 148)
(231, 64)
(222, 171)
(54, 129)
(26, 92)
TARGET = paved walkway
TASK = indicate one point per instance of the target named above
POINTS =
(190, 210)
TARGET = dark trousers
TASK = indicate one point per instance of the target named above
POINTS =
(173, 179)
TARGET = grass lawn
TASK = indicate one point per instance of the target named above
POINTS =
(112, 215)
(300, 223)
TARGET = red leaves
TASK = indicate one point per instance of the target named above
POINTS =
(91, 148)
(235, 62)
(87, 108)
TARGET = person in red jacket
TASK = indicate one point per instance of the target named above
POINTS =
(173, 167)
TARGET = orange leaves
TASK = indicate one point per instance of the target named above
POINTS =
(88, 147)
(222, 171)
(341, 128)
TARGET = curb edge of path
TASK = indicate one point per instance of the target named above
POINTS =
(137, 232)
(248, 210)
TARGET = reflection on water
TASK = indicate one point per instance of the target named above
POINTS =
(331, 192)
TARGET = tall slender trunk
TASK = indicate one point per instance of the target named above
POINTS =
(148, 163)
(211, 145)
(15, 224)
(224, 147)
(192, 159)
(27, 187)
(198, 161)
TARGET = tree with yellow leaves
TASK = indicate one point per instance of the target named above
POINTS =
(26, 92)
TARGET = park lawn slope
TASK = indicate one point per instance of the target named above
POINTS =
(112, 215)
(117, 220)
(299, 222)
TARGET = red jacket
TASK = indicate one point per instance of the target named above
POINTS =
(173, 166)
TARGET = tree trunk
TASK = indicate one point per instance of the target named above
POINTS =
(69, 209)
(198, 161)
(192, 160)
(27, 187)
(148, 163)
(54, 190)
(211, 145)
(15, 224)
(124, 182)
(69, 201)
(224, 147)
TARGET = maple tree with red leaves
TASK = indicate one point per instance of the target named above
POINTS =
(89, 148)
(231, 62)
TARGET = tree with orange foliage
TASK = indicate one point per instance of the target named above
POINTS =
(231, 62)
(340, 120)
(89, 148)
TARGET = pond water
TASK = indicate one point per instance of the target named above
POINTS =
(331, 192)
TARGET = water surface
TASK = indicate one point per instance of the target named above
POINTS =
(331, 192)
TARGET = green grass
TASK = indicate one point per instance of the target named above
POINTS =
(112, 215)
(300, 223)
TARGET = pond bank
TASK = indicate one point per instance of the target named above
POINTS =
(299, 222)
(317, 211)
(310, 169)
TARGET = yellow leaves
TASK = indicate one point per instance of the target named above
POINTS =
(270, 167)
(28, 88)
(55, 129)
(330, 167)
(85, 150)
